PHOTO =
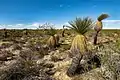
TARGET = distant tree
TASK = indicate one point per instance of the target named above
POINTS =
(46, 26)
(5, 33)
(25, 31)
(63, 31)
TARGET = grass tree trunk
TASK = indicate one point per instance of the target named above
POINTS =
(75, 64)
(63, 32)
(5, 33)
(95, 38)
(57, 39)
(97, 29)
(78, 50)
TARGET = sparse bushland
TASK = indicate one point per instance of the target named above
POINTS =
(110, 60)
(32, 59)
(25, 68)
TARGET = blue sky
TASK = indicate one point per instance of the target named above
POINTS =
(31, 13)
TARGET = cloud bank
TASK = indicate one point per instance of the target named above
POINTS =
(107, 24)
(111, 24)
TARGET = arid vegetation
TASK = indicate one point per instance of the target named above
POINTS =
(60, 54)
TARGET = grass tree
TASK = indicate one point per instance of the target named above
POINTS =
(79, 46)
(81, 26)
(25, 31)
(5, 33)
(99, 25)
(53, 41)
(63, 31)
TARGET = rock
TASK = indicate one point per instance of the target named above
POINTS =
(74, 65)
(61, 76)
(47, 58)
(9, 58)
(67, 42)
(40, 61)
(16, 52)
(92, 75)
(7, 63)
(48, 65)
(59, 56)
(37, 78)
(62, 65)
(3, 55)
(44, 76)
(50, 71)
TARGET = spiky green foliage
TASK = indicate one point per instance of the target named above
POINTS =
(80, 25)
(102, 16)
(51, 31)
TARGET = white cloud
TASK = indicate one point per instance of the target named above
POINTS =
(107, 24)
(111, 24)
(111, 21)
(10, 25)
(19, 24)
(36, 24)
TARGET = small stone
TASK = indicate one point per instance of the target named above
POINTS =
(48, 65)
(50, 71)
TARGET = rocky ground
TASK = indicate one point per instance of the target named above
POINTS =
(29, 58)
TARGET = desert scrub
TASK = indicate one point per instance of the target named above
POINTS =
(17, 47)
(39, 50)
(115, 46)
(111, 62)
(6, 44)
(22, 68)
(25, 68)
(4, 54)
